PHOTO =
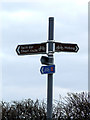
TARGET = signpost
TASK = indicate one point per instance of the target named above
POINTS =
(32, 49)
(50, 76)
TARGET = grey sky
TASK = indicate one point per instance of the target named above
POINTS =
(24, 23)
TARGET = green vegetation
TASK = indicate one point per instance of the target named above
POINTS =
(73, 107)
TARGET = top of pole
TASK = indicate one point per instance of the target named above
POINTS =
(51, 28)
(51, 18)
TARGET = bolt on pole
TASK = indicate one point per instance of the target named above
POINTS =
(50, 76)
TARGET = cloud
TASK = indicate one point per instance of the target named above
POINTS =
(20, 16)
(18, 93)
(80, 2)
(33, 92)
(28, 23)
(11, 93)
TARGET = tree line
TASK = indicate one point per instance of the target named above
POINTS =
(74, 106)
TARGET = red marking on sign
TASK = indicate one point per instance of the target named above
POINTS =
(51, 68)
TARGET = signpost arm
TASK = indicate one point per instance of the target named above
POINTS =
(50, 76)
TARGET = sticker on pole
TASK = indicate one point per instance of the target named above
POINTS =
(47, 69)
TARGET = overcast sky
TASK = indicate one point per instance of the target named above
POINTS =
(27, 23)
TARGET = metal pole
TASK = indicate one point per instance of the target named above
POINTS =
(50, 76)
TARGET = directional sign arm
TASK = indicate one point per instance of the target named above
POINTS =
(46, 60)
(66, 47)
(47, 69)
(30, 49)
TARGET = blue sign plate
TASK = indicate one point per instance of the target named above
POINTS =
(47, 69)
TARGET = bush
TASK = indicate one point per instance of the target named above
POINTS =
(77, 107)
(73, 107)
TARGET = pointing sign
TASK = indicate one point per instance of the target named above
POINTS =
(46, 60)
(30, 49)
(66, 47)
(47, 69)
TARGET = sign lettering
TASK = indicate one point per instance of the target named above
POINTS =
(29, 49)
(66, 47)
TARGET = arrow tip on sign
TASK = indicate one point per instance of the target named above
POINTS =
(77, 48)
(18, 49)
(41, 70)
